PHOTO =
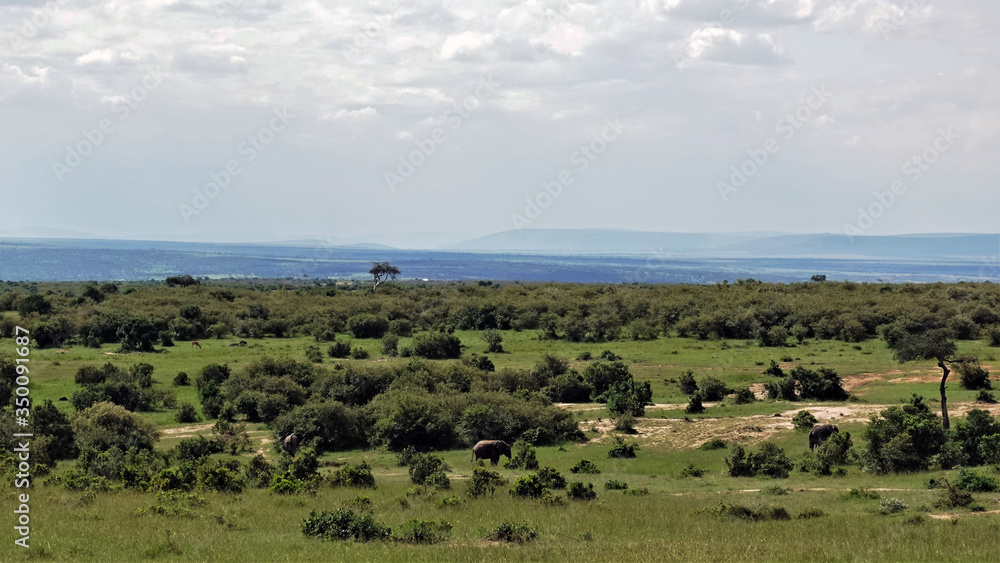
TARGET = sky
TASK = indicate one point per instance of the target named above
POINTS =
(423, 122)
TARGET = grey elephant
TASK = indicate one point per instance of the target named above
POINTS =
(491, 449)
(291, 443)
(821, 433)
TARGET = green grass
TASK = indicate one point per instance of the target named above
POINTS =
(665, 525)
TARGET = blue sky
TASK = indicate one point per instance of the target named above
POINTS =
(249, 119)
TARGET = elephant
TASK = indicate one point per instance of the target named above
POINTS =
(491, 449)
(821, 433)
(291, 443)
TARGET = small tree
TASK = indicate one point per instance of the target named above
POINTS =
(382, 271)
(931, 345)
(493, 340)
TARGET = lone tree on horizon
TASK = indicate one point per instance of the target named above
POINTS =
(382, 271)
(931, 345)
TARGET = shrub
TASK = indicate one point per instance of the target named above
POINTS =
(641, 491)
(438, 480)
(751, 513)
(422, 466)
(774, 369)
(283, 484)
(224, 476)
(579, 491)
(400, 327)
(687, 383)
(713, 389)
(423, 531)
(860, 493)
(891, 506)
(613, 485)
(585, 466)
(437, 345)
(771, 461)
(551, 479)
(811, 512)
(485, 481)
(523, 458)
(182, 379)
(713, 444)
(344, 524)
(774, 490)
(783, 389)
(804, 421)
(359, 354)
(834, 451)
(359, 475)
(186, 413)
(339, 349)
(259, 472)
(390, 345)
(625, 423)
(623, 450)
(304, 465)
(366, 325)
(744, 396)
(628, 397)
(973, 376)
(512, 533)
(529, 486)
(694, 405)
(493, 340)
(313, 354)
(973, 482)
(993, 335)
(692, 471)
(951, 497)
(194, 449)
(986, 397)
(902, 438)
(601, 376)
(106, 425)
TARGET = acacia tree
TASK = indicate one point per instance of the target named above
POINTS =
(382, 271)
(931, 345)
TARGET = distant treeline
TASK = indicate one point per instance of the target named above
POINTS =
(139, 316)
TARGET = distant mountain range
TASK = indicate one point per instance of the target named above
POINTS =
(614, 241)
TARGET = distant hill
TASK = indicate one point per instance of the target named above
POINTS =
(613, 241)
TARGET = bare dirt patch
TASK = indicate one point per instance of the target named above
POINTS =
(187, 431)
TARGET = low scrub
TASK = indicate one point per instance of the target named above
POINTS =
(359, 475)
(969, 480)
(749, 513)
(423, 531)
(585, 466)
(511, 532)
(622, 449)
(485, 481)
(579, 491)
(613, 485)
(344, 524)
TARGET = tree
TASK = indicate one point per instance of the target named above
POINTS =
(382, 271)
(931, 345)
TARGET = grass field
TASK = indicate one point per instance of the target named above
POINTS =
(668, 524)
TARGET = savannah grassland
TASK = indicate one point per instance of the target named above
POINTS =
(665, 525)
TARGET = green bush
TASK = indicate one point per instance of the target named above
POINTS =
(551, 479)
(861, 493)
(314, 354)
(512, 533)
(628, 397)
(713, 444)
(359, 354)
(804, 421)
(891, 506)
(969, 480)
(390, 345)
(692, 471)
(437, 345)
(903, 439)
(186, 413)
(283, 484)
(811, 512)
(529, 486)
(713, 389)
(344, 524)
(366, 325)
(972, 375)
(339, 349)
(986, 397)
(523, 458)
(744, 396)
(622, 449)
(423, 531)
(359, 475)
(579, 491)
(106, 425)
(259, 472)
(585, 466)
(438, 480)
(422, 466)
(774, 369)
(687, 383)
(485, 481)
(751, 513)
(951, 497)
(182, 379)
(694, 405)
(224, 476)
(494, 341)
(769, 461)
(613, 485)
(641, 491)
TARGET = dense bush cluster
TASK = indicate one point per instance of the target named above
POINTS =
(769, 461)
(803, 383)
